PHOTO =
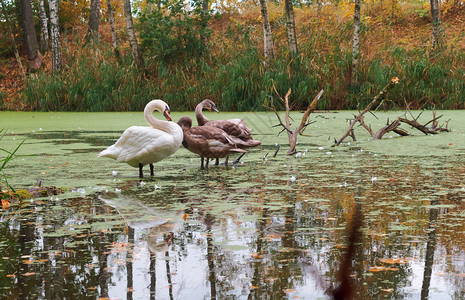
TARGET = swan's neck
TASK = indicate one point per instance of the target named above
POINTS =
(154, 122)
(201, 119)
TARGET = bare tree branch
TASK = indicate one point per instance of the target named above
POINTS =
(376, 100)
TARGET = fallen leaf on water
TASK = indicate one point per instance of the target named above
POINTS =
(253, 287)
(395, 260)
(29, 261)
(387, 290)
(11, 275)
(29, 273)
(290, 290)
(5, 203)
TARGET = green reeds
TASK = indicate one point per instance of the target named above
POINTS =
(234, 75)
(6, 191)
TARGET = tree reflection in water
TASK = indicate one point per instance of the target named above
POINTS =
(223, 240)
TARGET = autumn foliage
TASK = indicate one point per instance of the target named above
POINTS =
(189, 57)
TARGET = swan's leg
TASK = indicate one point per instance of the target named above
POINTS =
(217, 162)
(141, 175)
(151, 170)
(201, 162)
(238, 159)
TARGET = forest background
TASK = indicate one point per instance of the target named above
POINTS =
(192, 50)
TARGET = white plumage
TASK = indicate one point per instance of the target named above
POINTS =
(139, 145)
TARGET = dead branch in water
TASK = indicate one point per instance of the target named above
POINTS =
(292, 134)
(359, 118)
(433, 129)
(389, 127)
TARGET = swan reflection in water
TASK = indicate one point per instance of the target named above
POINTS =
(158, 225)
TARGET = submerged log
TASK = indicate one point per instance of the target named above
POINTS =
(389, 127)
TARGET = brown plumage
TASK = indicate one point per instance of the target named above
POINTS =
(209, 142)
(233, 127)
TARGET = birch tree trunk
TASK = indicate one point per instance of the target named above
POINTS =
(44, 37)
(113, 31)
(268, 36)
(356, 43)
(33, 55)
(92, 32)
(437, 35)
(55, 36)
(136, 54)
(290, 22)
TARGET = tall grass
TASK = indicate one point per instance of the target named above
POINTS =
(233, 74)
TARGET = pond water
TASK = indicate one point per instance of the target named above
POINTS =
(268, 228)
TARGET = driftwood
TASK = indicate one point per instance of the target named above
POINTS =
(359, 118)
(434, 128)
(292, 134)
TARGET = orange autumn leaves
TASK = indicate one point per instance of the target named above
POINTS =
(391, 261)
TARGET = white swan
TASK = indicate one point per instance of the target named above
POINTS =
(139, 145)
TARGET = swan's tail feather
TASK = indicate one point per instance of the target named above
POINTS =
(108, 153)
(245, 144)
(238, 150)
(254, 143)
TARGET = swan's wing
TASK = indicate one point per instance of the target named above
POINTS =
(208, 133)
(241, 124)
(231, 128)
(138, 142)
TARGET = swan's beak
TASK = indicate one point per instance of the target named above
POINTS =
(214, 108)
(166, 113)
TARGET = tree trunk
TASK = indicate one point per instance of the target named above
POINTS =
(92, 32)
(268, 36)
(44, 37)
(113, 31)
(437, 31)
(33, 55)
(356, 43)
(13, 41)
(290, 22)
(55, 35)
(136, 54)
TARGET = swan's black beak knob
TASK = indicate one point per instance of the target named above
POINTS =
(166, 113)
